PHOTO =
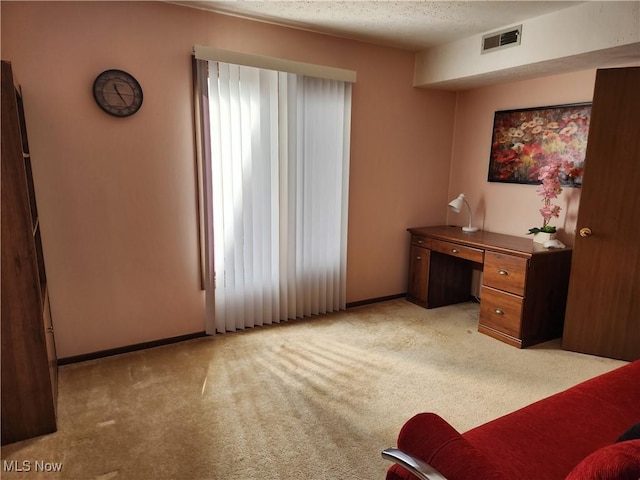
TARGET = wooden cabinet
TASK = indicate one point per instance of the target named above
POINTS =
(501, 314)
(29, 365)
(505, 272)
(458, 251)
(503, 294)
(603, 309)
(524, 287)
(428, 260)
(523, 297)
(418, 274)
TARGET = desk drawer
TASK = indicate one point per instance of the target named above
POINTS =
(455, 250)
(505, 272)
(420, 241)
(501, 311)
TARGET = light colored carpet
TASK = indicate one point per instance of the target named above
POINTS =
(311, 399)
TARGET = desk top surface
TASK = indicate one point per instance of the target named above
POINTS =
(497, 242)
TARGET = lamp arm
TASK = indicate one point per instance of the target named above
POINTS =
(470, 228)
(469, 210)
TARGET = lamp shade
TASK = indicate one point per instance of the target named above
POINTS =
(456, 203)
(456, 206)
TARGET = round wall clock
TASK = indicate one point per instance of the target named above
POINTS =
(117, 93)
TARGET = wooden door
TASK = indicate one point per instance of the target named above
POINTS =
(603, 307)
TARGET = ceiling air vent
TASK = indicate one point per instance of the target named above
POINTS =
(499, 40)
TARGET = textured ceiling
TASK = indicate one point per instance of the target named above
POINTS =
(412, 25)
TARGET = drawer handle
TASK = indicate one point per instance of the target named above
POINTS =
(455, 250)
(503, 272)
(499, 311)
(418, 257)
(420, 241)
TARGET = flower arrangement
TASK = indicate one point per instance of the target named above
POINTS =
(551, 175)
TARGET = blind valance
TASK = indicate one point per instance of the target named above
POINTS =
(273, 63)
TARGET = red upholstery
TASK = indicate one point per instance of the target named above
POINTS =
(441, 446)
(544, 440)
(618, 461)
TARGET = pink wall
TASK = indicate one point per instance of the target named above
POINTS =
(117, 196)
(500, 207)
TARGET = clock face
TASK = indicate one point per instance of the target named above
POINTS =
(117, 93)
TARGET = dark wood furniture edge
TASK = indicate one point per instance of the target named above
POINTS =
(29, 386)
(490, 241)
(508, 339)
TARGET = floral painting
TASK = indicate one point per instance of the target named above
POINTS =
(524, 141)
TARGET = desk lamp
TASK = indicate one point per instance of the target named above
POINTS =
(456, 205)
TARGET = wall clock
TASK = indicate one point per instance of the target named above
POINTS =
(118, 93)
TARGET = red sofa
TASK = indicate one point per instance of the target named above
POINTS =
(574, 434)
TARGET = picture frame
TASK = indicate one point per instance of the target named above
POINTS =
(525, 140)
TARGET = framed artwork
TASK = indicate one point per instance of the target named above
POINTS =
(527, 139)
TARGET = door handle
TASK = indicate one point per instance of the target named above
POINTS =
(585, 232)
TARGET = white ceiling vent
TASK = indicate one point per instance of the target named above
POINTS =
(502, 39)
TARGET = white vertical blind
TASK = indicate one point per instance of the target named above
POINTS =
(279, 146)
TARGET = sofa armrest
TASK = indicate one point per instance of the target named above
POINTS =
(436, 443)
(420, 469)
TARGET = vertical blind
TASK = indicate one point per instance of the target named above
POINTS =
(276, 173)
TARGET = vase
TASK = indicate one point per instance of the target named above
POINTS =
(542, 237)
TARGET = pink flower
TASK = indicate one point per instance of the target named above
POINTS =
(551, 187)
(549, 211)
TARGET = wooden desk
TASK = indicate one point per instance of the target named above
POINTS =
(524, 285)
